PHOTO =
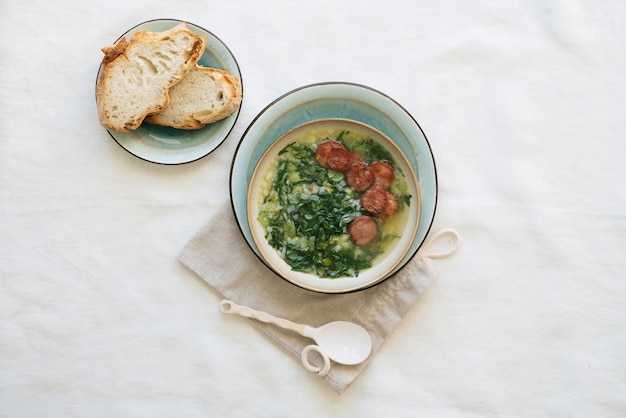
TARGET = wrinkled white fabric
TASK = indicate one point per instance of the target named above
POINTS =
(523, 104)
(246, 281)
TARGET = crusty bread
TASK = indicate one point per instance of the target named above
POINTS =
(136, 75)
(204, 96)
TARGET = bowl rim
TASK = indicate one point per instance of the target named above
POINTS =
(384, 266)
(336, 92)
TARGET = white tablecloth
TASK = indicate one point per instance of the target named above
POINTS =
(523, 104)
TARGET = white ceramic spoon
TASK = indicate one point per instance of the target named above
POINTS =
(344, 342)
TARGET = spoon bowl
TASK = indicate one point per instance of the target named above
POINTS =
(343, 342)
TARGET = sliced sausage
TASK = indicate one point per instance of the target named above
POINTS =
(339, 159)
(360, 177)
(356, 157)
(363, 230)
(374, 200)
(333, 155)
(392, 206)
(384, 173)
(321, 154)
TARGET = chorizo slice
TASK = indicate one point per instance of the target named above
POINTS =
(339, 159)
(356, 157)
(374, 200)
(321, 154)
(360, 177)
(392, 206)
(363, 230)
(384, 172)
(331, 154)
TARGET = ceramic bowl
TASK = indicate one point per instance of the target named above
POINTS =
(405, 221)
(170, 146)
(335, 100)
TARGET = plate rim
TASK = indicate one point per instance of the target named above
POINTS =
(339, 84)
(235, 114)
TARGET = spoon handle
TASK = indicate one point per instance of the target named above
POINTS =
(229, 307)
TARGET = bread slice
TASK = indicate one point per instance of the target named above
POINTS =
(136, 75)
(204, 96)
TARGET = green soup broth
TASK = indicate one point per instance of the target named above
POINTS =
(305, 209)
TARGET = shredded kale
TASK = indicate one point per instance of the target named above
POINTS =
(308, 208)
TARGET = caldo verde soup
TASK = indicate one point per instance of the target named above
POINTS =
(332, 201)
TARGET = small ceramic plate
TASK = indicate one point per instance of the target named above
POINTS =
(335, 100)
(165, 145)
(404, 221)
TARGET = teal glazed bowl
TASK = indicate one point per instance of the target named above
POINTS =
(339, 100)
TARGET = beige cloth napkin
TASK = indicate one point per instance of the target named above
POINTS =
(219, 254)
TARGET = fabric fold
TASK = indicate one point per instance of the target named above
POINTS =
(219, 255)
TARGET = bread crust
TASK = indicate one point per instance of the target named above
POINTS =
(232, 104)
(200, 117)
(120, 54)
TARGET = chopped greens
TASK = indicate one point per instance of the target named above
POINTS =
(306, 209)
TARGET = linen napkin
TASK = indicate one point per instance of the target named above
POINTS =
(219, 254)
